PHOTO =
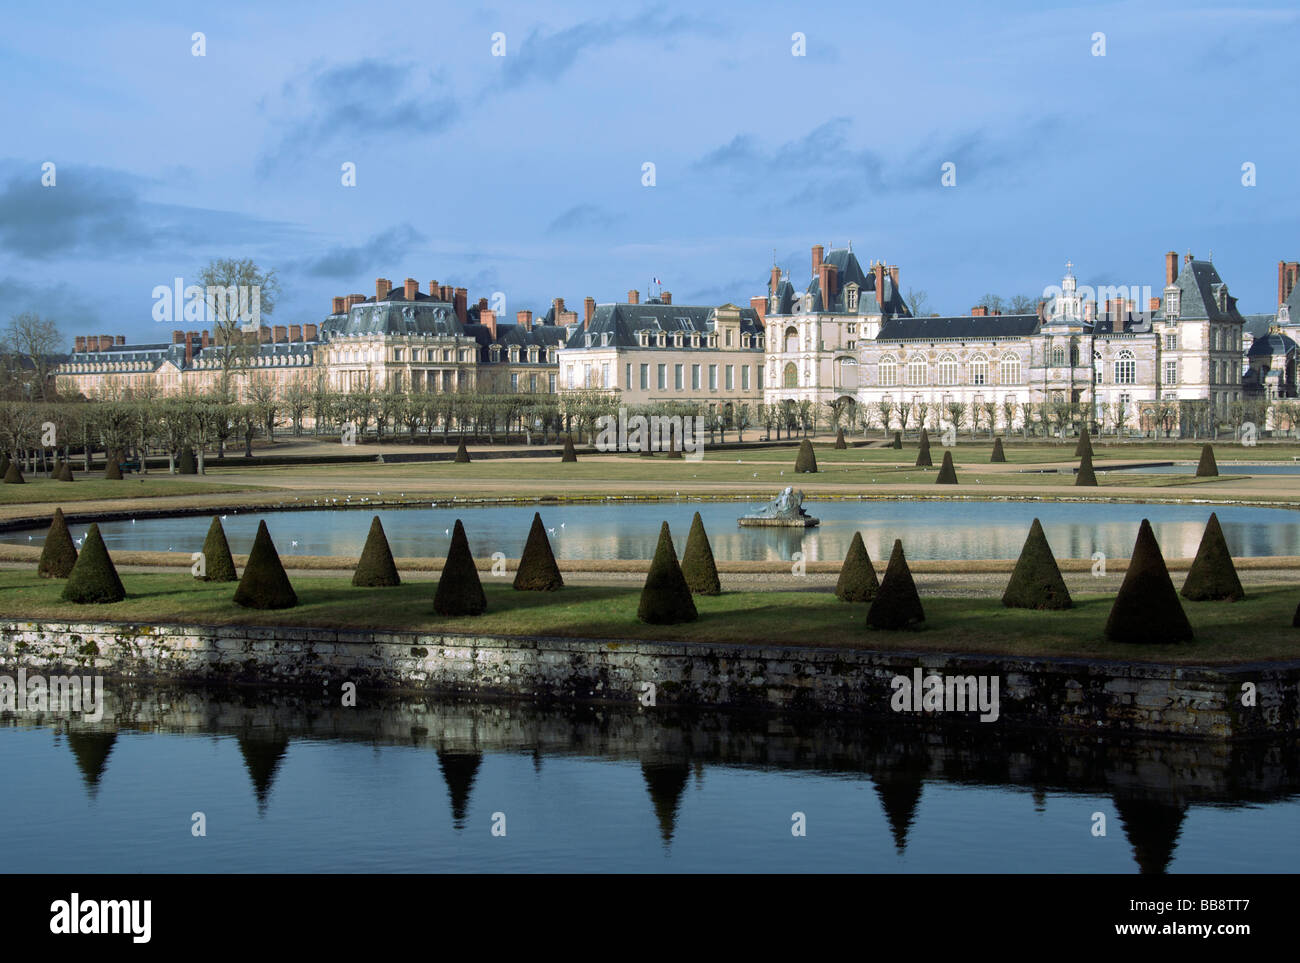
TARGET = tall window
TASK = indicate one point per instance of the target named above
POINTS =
(888, 371)
(1171, 342)
(791, 376)
(731, 377)
(791, 340)
(744, 378)
(916, 371)
(979, 370)
(1011, 369)
(695, 377)
(678, 373)
(713, 377)
(1125, 368)
(1171, 372)
(1058, 357)
(645, 377)
(947, 370)
(662, 380)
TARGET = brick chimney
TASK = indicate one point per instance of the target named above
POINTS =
(588, 311)
(759, 306)
(880, 284)
(776, 280)
(1187, 258)
(488, 318)
(482, 305)
(979, 312)
(177, 337)
(557, 308)
(634, 297)
(817, 250)
(264, 334)
(1153, 304)
(524, 319)
(1171, 267)
(205, 339)
(433, 290)
(338, 305)
(119, 340)
(666, 297)
(295, 333)
(461, 304)
(189, 351)
(309, 332)
(409, 288)
(281, 334)
(105, 342)
(1293, 272)
(827, 277)
(893, 275)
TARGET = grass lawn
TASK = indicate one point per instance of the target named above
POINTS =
(93, 489)
(1258, 628)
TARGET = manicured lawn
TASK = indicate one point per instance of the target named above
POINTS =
(1258, 628)
(95, 488)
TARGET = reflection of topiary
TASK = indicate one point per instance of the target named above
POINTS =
(189, 464)
(59, 554)
(839, 439)
(1085, 477)
(459, 590)
(218, 563)
(896, 605)
(858, 582)
(1147, 609)
(898, 440)
(93, 579)
(698, 567)
(462, 454)
(376, 566)
(999, 456)
(13, 476)
(1295, 621)
(265, 584)
(538, 571)
(1036, 582)
(1084, 447)
(1207, 467)
(112, 470)
(805, 461)
(569, 453)
(1212, 576)
(947, 472)
(923, 459)
(666, 598)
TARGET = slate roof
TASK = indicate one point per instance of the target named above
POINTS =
(1271, 345)
(1257, 325)
(395, 317)
(849, 271)
(958, 328)
(623, 322)
(1200, 285)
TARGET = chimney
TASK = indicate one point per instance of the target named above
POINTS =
(588, 311)
(461, 303)
(1041, 310)
(488, 318)
(666, 297)
(295, 333)
(1282, 273)
(309, 332)
(816, 260)
(776, 280)
(1153, 304)
(264, 334)
(120, 340)
(557, 308)
(1293, 271)
(634, 297)
(204, 340)
(482, 305)
(1089, 311)
(893, 275)
(433, 290)
(79, 343)
(1171, 267)
(382, 287)
(1187, 258)
(177, 337)
(880, 285)
(410, 287)
(759, 306)
(827, 279)
(281, 334)
(338, 305)
(189, 350)
(524, 319)
(979, 312)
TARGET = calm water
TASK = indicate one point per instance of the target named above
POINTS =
(1276, 468)
(287, 786)
(929, 530)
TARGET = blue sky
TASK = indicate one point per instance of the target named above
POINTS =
(523, 174)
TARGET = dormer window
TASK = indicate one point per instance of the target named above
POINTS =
(645, 339)
(1172, 299)
(604, 339)
(587, 340)
(695, 340)
(677, 340)
(851, 298)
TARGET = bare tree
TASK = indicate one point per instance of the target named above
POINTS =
(918, 302)
(235, 286)
(35, 340)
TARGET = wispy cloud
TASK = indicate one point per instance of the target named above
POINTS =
(584, 217)
(348, 261)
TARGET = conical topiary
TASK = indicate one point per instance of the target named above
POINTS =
(947, 472)
(666, 598)
(189, 463)
(805, 461)
(459, 590)
(897, 604)
(923, 459)
(1147, 609)
(59, 554)
(462, 454)
(675, 449)
(1036, 582)
(93, 579)
(858, 582)
(65, 472)
(4, 463)
(1207, 467)
(1213, 577)
(840, 443)
(13, 475)
(112, 470)
(569, 453)
(218, 563)
(998, 457)
(376, 566)
(898, 441)
(538, 571)
(698, 567)
(265, 585)
(1084, 447)
(1085, 477)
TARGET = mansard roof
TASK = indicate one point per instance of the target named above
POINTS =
(395, 317)
(1199, 285)
(961, 327)
(623, 322)
(849, 271)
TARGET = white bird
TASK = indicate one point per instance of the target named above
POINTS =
(295, 544)
(29, 538)
(755, 474)
(561, 524)
(446, 531)
(133, 521)
(550, 531)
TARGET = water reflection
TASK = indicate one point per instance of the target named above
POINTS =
(930, 530)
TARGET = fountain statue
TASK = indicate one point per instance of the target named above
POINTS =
(783, 511)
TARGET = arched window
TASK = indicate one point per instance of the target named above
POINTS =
(979, 370)
(791, 340)
(947, 370)
(791, 376)
(916, 370)
(1074, 354)
(1058, 357)
(1011, 369)
(1125, 368)
(888, 371)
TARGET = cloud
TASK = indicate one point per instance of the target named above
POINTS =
(582, 217)
(65, 303)
(349, 261)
